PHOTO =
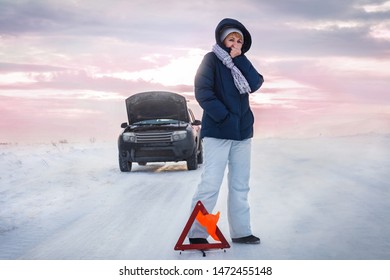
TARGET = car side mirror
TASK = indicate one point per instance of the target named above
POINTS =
(124, 125)
(196, 122)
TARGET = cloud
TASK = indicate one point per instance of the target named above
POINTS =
(54, 118)
(75, 56)
(72, 83)
(311, 27)
(377, 8)
(16, 67)
(128, 20)
(175, 71)
(381, 31)
(319, 28)
(342, 79)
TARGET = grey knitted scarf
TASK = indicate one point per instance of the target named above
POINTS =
(239, 79)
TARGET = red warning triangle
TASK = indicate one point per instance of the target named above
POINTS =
(180, 246)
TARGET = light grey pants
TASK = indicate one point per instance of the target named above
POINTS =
(218, 153)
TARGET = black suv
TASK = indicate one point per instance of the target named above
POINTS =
(160, 128)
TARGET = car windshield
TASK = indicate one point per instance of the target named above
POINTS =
(157, 122)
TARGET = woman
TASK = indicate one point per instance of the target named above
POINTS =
(222, 86)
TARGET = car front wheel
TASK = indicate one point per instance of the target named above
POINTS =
(192, 162)
(124, 164)
(200, 154)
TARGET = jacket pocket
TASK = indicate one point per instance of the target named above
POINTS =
(229, 128)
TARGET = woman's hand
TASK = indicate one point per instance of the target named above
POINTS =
(235, 52)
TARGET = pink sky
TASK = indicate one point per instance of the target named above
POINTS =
(66, 67)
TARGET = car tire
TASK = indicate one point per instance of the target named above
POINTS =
(200, 153)
(124, 164)
(192, 162)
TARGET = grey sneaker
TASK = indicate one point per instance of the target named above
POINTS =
(251, 239)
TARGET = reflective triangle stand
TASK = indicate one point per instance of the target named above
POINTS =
(181, 247)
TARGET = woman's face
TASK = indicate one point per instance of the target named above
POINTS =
(233, 41)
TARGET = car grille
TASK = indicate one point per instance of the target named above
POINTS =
(154, 137)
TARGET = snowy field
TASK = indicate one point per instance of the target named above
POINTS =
(319, 198)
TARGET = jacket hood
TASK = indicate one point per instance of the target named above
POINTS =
(229, 22)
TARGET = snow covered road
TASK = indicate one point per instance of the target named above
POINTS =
(321, 198)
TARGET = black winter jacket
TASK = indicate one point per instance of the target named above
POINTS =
(226, 112)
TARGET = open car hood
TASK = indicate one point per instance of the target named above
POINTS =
(154, 105)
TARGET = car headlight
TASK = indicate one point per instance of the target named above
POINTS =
(129, 137)
(179, 135)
